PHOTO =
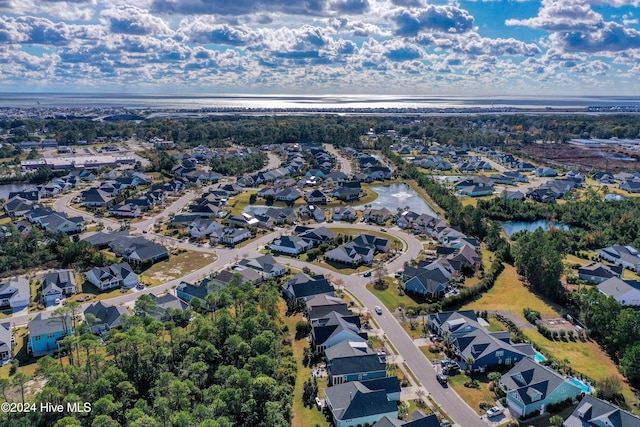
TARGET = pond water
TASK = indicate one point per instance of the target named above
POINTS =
(511, 227)
(400, 195)
(5, 189)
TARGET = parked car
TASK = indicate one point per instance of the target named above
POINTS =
(494, 411)
(378, 309)
(442, 379)
(367, 274)
(445, 424)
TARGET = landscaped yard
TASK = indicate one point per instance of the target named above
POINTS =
(391, 299)
(178, 266)
(473, 396)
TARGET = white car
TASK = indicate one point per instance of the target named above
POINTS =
(378, 309)
(494, 411)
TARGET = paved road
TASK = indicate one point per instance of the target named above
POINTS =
(456, 408)
(497, 166)
(345, 164)
(273, 163)
(448, 400)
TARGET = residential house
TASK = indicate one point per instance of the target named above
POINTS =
(379, 216)
(45, 330)
(428, 282)
(542, 195)
(95, 197)
(292, 245)
(164, 304)
(473, 344)
(476, 190)
(418, 419)
(231, 236)
(316, 196)
(344, 214)
(545, 172)
(245, 275)
(61, 222)
(15, 293)
(360, 250)
(101, 240)
(532, 387)
(6, 343)
(317, 235)
(594, 412)
(321, 305)
(304, 287)
(347, 194)
(138, 250)
(626, 292)
(17, 207)
(363, 402)
(512, 195)
(113, 276)
(126, 210)
(287, 194)
(202, 227)
(626, 256)
(310, 211)
(354, 361)
(630, 185)
(404, 219)
(57, 285)
(247, 219)
(597, 272)
(266, 265)
(334, 329)
(102, 316)
(188, 292)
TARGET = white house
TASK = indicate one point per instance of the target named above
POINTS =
(292, 245)
(203, 227)
(15, 293)
(113, 276)
(626, 292)
(626, 256)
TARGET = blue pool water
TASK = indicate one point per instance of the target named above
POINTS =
(584, 387)
(539, 358)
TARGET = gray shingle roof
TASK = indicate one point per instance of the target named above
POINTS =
(359, 399)
(593, 412)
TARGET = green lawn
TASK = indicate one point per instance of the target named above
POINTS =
(473, 396)
(433, 356)
(391, 299)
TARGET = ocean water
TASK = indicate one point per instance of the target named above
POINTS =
(306, 102)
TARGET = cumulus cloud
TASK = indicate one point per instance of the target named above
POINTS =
(132, 20)
(611, 37)
(244, 7)
(476, 45)
(411, 22)
(204, 30)
(356, 28)
(34, 30)
(562, 15)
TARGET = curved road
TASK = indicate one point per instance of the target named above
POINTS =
(424, 371)
(345, 164)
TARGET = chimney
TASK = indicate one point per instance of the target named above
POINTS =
(350, 396)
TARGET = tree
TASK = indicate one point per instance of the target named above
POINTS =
(20, 380)
(630, 363)
(379, 273)
(556, 421)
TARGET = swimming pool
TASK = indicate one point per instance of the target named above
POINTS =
(538, 357)
(584, 387)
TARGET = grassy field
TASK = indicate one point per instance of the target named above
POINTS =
(510, 294)
(178, 265)
(302, 415)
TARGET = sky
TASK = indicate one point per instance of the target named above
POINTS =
(312, 47)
